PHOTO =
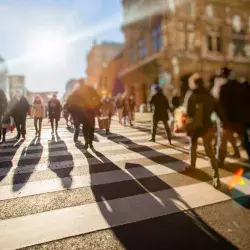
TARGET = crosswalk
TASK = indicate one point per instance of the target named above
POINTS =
(50, 189)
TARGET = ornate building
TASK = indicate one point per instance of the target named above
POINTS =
(171, 39)
(98, 58)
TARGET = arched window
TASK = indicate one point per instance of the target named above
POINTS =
(156, 38)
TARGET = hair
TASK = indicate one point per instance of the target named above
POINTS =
(38, 96)
(199, 82)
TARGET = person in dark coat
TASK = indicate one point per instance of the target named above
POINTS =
(19, 107)
(84, 104)
(3, 107)
(232, 98)
(200, 106)
(160, 113)
(54, 108)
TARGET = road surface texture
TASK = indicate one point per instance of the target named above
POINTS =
(128, 193)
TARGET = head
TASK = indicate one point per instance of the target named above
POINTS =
(54, 97)
(199, 83)
(38, 99)
(224, 72)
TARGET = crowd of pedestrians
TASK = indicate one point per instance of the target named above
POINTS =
(228, 101)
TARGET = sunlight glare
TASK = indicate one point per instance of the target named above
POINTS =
(47, 47)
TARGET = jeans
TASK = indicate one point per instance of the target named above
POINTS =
(39, 121)
(207, 141)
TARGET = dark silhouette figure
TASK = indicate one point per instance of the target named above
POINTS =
(54, 108)
(83, 105)
(200, 106)
(61, 154)
(20, 179)
(161, 108)
(19, 108)
(3, 107)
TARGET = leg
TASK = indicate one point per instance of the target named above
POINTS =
(165, 122)
(56, 121)
(193, 152)
(155, 123)
(18, 127)
(23, 126)
(232, 140)
(52, 125)
(40, 125)
(207, 140)
(4, 130)
(222, 146)
(35, 124)
(247, 140)
(77, 128)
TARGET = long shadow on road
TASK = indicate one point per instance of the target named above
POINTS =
(138, 217)
(20, 179)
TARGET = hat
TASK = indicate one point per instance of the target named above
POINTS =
(224, 72)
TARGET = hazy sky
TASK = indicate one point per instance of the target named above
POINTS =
(47, 40)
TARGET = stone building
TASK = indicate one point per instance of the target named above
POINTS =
(166, 41)
(98, 58)
(17, 84)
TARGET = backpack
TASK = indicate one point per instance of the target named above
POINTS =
(196, 124)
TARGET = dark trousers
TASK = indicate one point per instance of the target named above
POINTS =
(38, 121)
(20, 122)
(54, 124)
(208, 145)
(247, 140)
(155, 124)
(225, 135)
(88, 128)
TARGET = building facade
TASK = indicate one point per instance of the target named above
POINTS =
(4, 77)
(166, 41)
(98, 58)
(17, 83)
(46, 96)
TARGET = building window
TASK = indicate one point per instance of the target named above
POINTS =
(142, 47)
(156, 38)
(214, 41)
(181, 40)
(239, 41)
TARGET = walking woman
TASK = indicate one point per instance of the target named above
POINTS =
(3, 107)
(54, 113)
(38, 111)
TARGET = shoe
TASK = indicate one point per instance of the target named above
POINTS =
(91, 146)
(37, 133)
(52, 133)
(170, 143)
(216, 183)
(18, 137)
(152, 140)
(24, 137)
(86, 146)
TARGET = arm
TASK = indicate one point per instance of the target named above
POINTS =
(190, 106)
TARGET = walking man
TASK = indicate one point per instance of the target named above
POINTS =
(19, 108)
(160, 113)
(3, 107)
(233, 100)
(54, 107)
(84, 104)
(200, 106)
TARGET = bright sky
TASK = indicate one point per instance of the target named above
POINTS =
(48, 40)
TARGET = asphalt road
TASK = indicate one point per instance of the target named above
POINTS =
(128, 193)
